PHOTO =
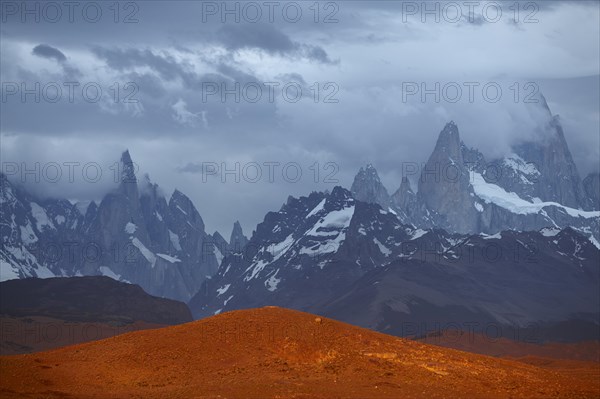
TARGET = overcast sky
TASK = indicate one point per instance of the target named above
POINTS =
(161, 68)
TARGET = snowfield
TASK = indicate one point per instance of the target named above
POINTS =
(491, 193)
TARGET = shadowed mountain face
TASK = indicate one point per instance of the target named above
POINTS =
(88, 299)
(273, 353)
(333, 255)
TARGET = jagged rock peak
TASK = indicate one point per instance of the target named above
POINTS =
(367, 187)
(127, 168)
(237, 240)
(237, 228)
(182, 201)
(404, 200)
(369, 172)
(544, 103)
(340, 194)
(450, 134)
(178, 196)
(447, 148)
(218, 237)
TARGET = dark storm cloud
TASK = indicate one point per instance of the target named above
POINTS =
(262, 36)
(268, 38)
(171, 52)
(123, 59)
(45, 51)
(169, 69)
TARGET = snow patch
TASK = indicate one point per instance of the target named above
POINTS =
(107, 271)
(271, 282)
(218, 254)
(279, 249)
(44, 272)
(317, 208)
(174, 240)
(27, 234)
(496, 236)
(523, 169)
(384, 250)
(41, 217)
(223, 289)
(549, 232)
(130, 228)
(8, 271)
(168, 258)
(145, 251)
(418, 233)
(491, 193)
(182, 211)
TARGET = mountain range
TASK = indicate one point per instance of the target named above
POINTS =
(513, 242)
(535, 186)
(134, 235)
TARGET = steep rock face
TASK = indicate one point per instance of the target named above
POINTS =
(591, 185)
(119, 216)
(238, 240)
(134, 235)
(404, 202)
(368, 188)
(459, 191)
(153, 206)
(444, 185)
(221, 241)
(221, 246)
(161, 246)
(557, 179)
(90, 214)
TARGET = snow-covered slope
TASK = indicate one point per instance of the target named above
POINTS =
(328, 253)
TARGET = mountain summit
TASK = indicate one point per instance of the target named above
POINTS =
(238, 240)
(367, 187)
